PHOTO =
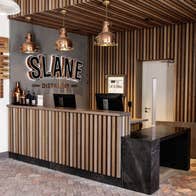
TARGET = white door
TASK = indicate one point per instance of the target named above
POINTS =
(157, 92)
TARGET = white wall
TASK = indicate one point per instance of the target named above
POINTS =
(4, 32)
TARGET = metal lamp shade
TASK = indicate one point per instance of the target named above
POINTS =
(105, 38)
(64, 43)
(29, 47)
(9, 7)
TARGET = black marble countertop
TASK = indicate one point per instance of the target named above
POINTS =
(158, 133)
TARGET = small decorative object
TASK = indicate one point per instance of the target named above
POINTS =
(29, 47)
(40, 100)
(105, 38)
(63, 43)
(116, 84)
(9, 7)
(129, 105)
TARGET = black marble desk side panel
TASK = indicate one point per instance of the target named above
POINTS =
(140, 165)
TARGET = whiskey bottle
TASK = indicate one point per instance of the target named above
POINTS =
(23, 98)
(17, 94)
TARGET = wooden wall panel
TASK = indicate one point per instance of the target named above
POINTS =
(1, 88)
(170, 42)
(88, 141)
(4, 66)
(4, 69)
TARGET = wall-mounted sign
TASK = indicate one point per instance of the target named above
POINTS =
(58, 67)
(116, 84)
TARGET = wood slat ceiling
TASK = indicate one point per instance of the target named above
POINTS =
(86, 16)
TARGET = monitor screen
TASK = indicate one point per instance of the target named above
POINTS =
(113, 102)
(65, 100)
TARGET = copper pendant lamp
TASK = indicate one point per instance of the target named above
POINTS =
(29, 47)
(106, 38)
(9, 7)
(63, 43)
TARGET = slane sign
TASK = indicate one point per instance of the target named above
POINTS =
(59, 67)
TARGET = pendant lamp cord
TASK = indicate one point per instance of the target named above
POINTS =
(106, 8)
(64, 12)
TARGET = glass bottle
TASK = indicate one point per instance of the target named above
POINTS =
(17, 94)
(23, 98)
(28, 98)
(33, 99)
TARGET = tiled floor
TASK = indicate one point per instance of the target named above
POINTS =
(21, 179)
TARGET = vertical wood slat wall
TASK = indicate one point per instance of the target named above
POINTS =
(176, 42)
(87, 141)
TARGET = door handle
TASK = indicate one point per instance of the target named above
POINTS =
(146, 109)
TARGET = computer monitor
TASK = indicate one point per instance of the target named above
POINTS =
(113, 102)
(64, 100)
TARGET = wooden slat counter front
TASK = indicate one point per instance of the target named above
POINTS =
(82, 139)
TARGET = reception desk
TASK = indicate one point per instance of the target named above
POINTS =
(96, 144)
(79, 139)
